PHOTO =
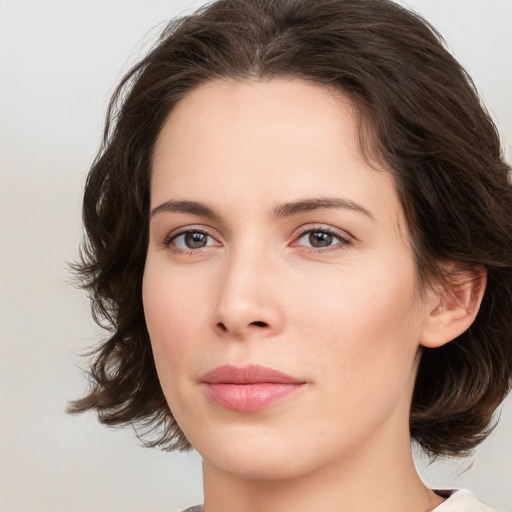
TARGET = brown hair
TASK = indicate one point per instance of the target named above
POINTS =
(419, 115)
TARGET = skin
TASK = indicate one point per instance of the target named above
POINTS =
(346, 317)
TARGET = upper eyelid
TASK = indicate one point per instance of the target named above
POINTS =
(299, 232)
(191, 229)
(324, 227)
(167, 241)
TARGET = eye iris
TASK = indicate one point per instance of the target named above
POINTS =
(195, 240)
(320, 239)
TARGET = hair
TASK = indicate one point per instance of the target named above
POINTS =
(419, 115)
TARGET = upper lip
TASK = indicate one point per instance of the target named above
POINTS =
(250, 374)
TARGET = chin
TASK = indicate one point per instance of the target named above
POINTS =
(259, 467)
(261, 454)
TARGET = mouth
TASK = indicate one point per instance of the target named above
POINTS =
(250, 388)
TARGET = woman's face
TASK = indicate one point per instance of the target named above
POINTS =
(273, 245)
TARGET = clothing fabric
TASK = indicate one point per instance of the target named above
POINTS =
(457, 501)
(461, 501)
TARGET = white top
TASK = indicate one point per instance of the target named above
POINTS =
(462, 501)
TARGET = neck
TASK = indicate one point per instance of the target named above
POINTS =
(373, 480)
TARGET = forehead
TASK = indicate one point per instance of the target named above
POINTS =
(263, 142)
(223, 117)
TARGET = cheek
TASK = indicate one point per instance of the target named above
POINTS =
(364, 325)
(374, 299)
(171, 319)
(172, 322)
(173, 302)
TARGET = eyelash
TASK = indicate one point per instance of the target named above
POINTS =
(168, 242)
(343, 241)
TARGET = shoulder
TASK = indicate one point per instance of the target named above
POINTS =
(461, 501)
(197, 508)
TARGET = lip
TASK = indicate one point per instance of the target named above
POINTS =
(249, 388)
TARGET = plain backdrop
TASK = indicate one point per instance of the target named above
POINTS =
(59, 62)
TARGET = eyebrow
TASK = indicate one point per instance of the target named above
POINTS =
(307, 205)
(185, 207)
(282, 210)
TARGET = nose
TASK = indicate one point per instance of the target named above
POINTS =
(248, 303)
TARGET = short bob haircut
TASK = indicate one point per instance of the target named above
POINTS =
(419, 117)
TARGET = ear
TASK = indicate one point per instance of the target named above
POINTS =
(452, 308)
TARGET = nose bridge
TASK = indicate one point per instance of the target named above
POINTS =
(247, 302)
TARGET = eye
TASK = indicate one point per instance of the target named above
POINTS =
(192, 239)
(321, 239)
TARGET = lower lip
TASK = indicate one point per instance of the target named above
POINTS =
(249, 397)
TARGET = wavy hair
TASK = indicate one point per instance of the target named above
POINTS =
(419, 115)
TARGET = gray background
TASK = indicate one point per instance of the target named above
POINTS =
(59, 62)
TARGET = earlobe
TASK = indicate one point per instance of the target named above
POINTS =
(452, 308)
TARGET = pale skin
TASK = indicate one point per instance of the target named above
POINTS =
(274, 242)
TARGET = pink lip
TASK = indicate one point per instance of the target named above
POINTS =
(250, 388)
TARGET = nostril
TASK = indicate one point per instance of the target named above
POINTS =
(259, 324)
(222, 327)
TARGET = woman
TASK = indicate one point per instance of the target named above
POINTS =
(299, 230)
